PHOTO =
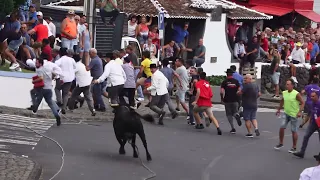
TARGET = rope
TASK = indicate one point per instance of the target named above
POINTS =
(153, 174)
(57, 143)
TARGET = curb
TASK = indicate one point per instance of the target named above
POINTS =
(270, 100)
(36, 172)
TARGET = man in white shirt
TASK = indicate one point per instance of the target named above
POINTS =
(117, 57)
(53, 30)
(81, 20)
(297, 54)
(159, 92)
(298, 57)
(116, 79)
(83, 82)
(312, 173)
(68, 67)
(239, 50)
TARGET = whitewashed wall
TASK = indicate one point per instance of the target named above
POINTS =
(216, 44)
(15, 90)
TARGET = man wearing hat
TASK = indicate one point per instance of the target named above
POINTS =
(159, 93)
(69, 30)
(298, 57)
(312, 173)
(229, 97)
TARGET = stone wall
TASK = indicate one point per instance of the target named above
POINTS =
(266, 82)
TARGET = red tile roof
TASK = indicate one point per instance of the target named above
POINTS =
(175, 8)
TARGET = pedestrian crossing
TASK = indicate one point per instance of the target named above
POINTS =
(220, 107)
(15, 137)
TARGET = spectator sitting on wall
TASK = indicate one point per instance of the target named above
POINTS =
(108, 8)
(180, 38)
(199, 53)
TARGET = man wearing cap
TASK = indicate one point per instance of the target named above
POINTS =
(159, 92)
(312, 173)
(69, 30)
(229, 97)
(50, 35)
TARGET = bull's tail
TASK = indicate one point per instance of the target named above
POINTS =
(146, 117)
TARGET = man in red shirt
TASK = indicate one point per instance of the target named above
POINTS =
(46, 49)
(203, 103)
(40, 30)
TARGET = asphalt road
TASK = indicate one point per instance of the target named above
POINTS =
(179, 152)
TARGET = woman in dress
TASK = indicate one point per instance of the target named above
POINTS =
(85, 44)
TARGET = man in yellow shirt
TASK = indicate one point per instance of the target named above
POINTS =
(144, 76)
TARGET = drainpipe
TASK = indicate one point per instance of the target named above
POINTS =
(89, 10)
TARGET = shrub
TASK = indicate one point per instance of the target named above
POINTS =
(215, 80)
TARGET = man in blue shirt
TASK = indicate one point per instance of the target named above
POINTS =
(12, 23)
(33, 19)
(315, 50)
(180, 37)
(236, 75)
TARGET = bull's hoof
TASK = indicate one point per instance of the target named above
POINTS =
(149, 158)
(122, 151)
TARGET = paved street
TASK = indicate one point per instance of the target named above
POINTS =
(16, 138)
(178, 151)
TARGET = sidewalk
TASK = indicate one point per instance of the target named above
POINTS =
(83, 114)
(13, 167)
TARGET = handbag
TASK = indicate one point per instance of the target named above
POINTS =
(38, 84)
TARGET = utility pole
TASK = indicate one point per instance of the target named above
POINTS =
(89, 9)
(161, 32)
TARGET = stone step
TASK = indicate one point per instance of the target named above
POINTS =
(270, 99)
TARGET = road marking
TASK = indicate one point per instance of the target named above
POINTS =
(13, 141)
(13, 131)
(22, 126)
(220, 107)
(20, 137)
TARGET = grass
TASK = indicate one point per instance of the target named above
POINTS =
(6, 68)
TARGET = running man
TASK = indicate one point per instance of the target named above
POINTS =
(250, 94)
(313, 127)
(314, 87)
(202, 103)
(292, 110)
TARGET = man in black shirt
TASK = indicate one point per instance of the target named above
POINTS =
(229, 98)
(252, 51)
(313, 72)
(192, 92)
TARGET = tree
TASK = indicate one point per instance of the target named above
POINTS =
(7, 6)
